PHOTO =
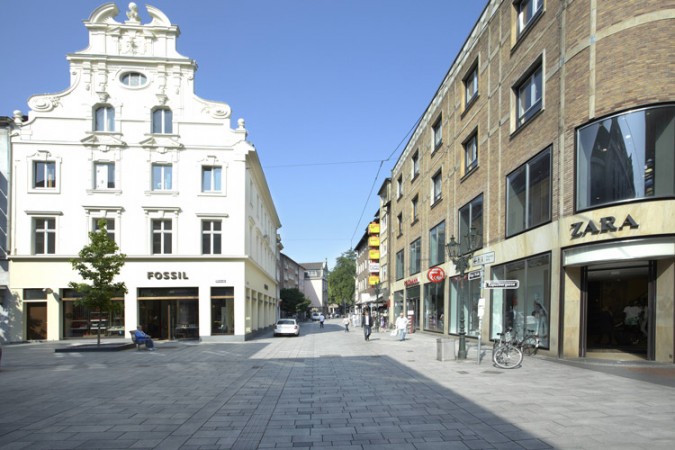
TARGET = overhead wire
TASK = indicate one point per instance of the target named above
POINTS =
(396, 149)
(377, 175)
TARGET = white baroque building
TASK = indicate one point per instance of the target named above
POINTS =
(182, 193)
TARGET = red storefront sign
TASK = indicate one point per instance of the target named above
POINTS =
(436, 275)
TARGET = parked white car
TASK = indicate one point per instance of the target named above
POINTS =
(287, 327)
(315, 316)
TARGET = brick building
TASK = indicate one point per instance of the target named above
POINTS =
(542, 141)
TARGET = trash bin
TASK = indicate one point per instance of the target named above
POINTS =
(445, 349)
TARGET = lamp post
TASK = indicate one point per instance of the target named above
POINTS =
(462, 262)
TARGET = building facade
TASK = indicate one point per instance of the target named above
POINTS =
(179, 189)
(363, 293)
(316, 285)
(6, 129)
(547, 155)
(292, 274)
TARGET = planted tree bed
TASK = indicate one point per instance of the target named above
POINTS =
(114, 347)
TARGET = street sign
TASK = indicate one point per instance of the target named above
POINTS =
(474, 275)
(485, 258)
(502, 284)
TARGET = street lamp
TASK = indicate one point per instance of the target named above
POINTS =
(462, 262)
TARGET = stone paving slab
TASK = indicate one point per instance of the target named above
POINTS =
(325, 389)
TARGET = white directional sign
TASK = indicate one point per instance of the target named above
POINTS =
(485, 258)
(502, 284)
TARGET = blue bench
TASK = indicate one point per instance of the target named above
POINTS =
(139, 342)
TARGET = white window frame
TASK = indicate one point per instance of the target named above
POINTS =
(45, 173)
(40, 226)
(165, 235)
(529, 95)
(471, 86)
(103, 175)
(211, 233)
(414, 206)
(399, 187)
(162, 121)
(437, 187)
(106, 123)
(415, 165)
(526, 12)
(215, 183)
(471, 153)
(133, 79)
(437, 133)
(165, 181)
(110, 226)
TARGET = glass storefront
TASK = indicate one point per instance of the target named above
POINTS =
(169, 313)
(398, 303)
(464, 295)
(617, 320)
(222, 311)
(524, 309)
(412, 301)
(434, 312)
(81, 322)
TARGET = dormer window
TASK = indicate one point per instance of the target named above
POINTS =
(104, 118)
(133, 79)
(162, 121)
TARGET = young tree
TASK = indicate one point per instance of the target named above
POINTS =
(99, 263)
(341, 279)
(293, 301)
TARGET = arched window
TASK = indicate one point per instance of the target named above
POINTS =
(162, 121)
(104, 118)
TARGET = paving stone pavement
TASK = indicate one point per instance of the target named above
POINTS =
(325, 389)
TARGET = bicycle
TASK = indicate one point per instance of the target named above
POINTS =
(530, 343)
(505, 353)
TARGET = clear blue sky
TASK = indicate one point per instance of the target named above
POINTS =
(329, 89)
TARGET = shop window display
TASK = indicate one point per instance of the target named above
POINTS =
(434, 314)
(470, 292)
(526, 308)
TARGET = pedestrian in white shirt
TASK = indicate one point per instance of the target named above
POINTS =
(401, 326)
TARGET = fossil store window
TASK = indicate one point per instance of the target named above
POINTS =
(80, 321)
(222, 310)
(169, 313)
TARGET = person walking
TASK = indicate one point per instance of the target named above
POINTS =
(401, 326)
(367, 325)
(321, 319)
(345, 322)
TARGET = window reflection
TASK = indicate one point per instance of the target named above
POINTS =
(618, 156)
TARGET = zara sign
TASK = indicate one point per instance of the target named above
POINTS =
(607, 224)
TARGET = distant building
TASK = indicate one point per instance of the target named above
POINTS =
(316, 285)
(385, 233)
(179, 189)
(7, 126)
(292, 274)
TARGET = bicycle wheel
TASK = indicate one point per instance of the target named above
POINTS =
(530, 346)
(508, 357)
